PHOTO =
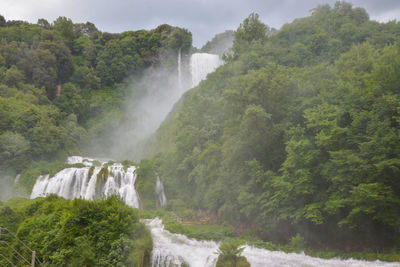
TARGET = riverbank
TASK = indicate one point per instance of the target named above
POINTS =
(224, 231)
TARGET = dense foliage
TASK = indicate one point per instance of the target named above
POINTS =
(229, 255)
(145, 185)
(298, 133)
(61, 83)
(76, 233)
(295, 138)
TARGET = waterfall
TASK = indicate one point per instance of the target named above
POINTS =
(180, 70)
(176, 250)
(17, 178)
(90, 182)
(261, 257)
(149, 100)
(202, 64)
(161, 198)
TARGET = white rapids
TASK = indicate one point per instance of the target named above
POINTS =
(177, 250)
(261, 257)
(85, 183)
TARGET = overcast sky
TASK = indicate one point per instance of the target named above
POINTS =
(204, 18)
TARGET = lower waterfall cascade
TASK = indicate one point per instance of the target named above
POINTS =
(175, 250)
(89, 182)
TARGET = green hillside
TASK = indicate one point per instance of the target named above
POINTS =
(298, 133)
(295, 140)
(62, 84)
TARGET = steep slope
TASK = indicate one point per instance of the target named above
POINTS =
(298, 133)
(63, 84)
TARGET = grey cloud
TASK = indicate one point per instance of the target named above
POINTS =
(204, 18)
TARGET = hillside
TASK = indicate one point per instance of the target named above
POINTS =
(295, 140)
(63, 85)
(297, 134)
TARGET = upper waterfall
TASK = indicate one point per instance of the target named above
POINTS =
(180, 70)
(201, 64)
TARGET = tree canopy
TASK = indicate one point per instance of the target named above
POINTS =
(59, 82)
(297, 134)
(76, 233)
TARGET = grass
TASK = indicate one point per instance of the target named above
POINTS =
(215, 232)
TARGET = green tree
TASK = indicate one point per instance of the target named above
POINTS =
(79, 232)
(86, 29)
(70, 101)
(65, 27)
(43, 23)
(2, 21)
(14, 151)
(63, 59)
(41, 69)
(229, 255)
(13, 77)
(85, 77)
(252, 29)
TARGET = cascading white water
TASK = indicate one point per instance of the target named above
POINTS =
(90, 184)
(180, 70)
(201, 64)
(148, 103)
(17, 178)
(78, 159)
(161, 198)
(175, 249)
(262, 257)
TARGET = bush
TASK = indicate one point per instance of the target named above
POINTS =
(229, 255)
(79, 232)
(297, 242)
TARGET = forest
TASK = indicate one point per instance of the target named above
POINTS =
(63, 83)
(298, 133)
(295, 137)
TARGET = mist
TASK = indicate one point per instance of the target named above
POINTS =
(6, 184)
(7, 189)
(221, 44)
(150, 97)
(148, 101)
